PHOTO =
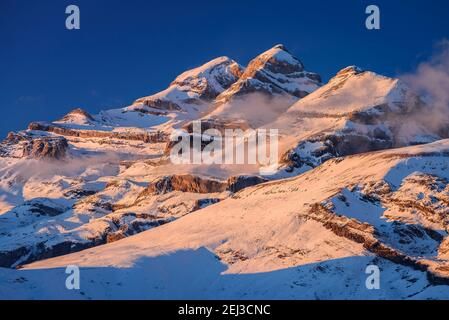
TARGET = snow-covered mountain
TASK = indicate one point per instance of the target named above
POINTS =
(270, 84)
(357, 111)
(274, 72)
(192, 91)
(361, 180)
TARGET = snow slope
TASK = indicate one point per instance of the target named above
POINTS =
(290, 244)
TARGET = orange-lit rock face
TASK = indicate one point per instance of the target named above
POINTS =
(275, 71)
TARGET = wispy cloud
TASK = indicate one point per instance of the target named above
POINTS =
(431, 81)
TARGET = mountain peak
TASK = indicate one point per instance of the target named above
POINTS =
(192, 89)
(207, 69)
(350, 70)
(276, 59)
(280, 46)
(354, 90)
(275, 71)
(82, 112)
(77, 116)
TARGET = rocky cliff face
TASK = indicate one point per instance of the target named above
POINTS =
(198, 184)
(407, 225)
(49, 148)
(78, 116)
(184, 183)
(18, 145)
(271, 83)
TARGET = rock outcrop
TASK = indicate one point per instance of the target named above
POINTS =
(198, 184)
(237, 183)
(46, 148)
(184, 183)
(368, 236)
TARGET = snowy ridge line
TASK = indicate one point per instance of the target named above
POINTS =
(147, 137)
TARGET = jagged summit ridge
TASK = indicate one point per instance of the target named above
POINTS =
(275, 71)
(222, 69)
(271, 83)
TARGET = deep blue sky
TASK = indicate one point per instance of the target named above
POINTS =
(128, 49)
